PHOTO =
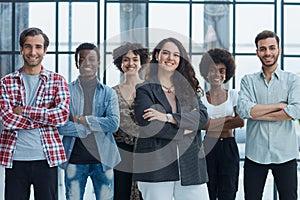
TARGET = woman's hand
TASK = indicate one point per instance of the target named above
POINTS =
(152, 114)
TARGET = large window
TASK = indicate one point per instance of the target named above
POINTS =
(66, 23)
(200, 25)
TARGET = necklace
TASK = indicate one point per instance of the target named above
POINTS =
(168, 88)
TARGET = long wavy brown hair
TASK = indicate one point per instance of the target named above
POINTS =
(185, 69)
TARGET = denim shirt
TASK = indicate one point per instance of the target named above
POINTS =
(104, 120)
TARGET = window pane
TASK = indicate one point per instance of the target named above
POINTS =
(84, 23)
(248, 27)
(168, 20)
(112, 73)
(290, 1)
(41, 15)
(292, 65)
(197, 28)
(66, 67)
(245, 65)
(195, 61)
(18, 61)
(291, 30)
(113, 23)
(6, 65)
(255, 1)
(172, 0)
(216, 25)
(49, 62)
(64, 25)
(243, 0)
(5, 27)
(21, 21)
(126, 22)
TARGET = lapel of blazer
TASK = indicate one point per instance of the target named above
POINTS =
(161, 97)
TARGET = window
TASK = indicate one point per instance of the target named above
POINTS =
(200, 25)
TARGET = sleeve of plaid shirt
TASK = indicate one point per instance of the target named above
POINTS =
(8, 118)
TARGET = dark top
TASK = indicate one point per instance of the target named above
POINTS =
(85, 149)
(162, 148)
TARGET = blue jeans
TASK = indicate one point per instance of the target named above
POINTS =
(76, 176)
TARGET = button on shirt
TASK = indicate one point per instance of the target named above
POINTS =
(269, 141)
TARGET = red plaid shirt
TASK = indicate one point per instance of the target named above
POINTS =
(51, 110)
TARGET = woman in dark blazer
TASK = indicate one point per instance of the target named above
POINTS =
(169, 157)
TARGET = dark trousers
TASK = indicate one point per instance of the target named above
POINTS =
(223, 167)
(19, 179)
(285, 177)
(123, 185)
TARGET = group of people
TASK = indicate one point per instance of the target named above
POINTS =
(141, 139)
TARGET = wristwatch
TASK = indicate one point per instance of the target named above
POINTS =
(169, 117)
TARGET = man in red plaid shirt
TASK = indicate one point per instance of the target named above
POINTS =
(34, 102)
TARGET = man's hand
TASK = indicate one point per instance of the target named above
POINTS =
(282, 105)
(79, 120)
(82, 120)
(72, 118)
(18, 110)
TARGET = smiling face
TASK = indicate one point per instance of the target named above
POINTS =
(88, 63)
(268, 51)
(216, 74)
(33, 51)
(131, 63)
(169, 57)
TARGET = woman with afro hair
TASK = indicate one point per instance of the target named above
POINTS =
(217, 66)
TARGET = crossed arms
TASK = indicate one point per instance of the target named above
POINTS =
(270, 112)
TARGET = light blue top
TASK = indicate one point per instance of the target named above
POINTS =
(104, 120)
(268, 141)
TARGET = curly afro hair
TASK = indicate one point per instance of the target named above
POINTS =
(216, 56)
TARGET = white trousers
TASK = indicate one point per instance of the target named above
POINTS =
(172, 190)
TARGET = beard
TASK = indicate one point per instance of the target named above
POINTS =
(32, 64)
(270, 64)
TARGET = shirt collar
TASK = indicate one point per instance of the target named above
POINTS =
(44, 74)
(276, 73)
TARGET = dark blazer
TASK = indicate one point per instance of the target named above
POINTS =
(162, 148)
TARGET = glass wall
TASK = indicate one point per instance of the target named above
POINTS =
(66, 23)
(200, 25)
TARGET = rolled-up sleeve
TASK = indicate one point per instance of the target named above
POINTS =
(111, 120)
(245, 100)
(293, 108)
